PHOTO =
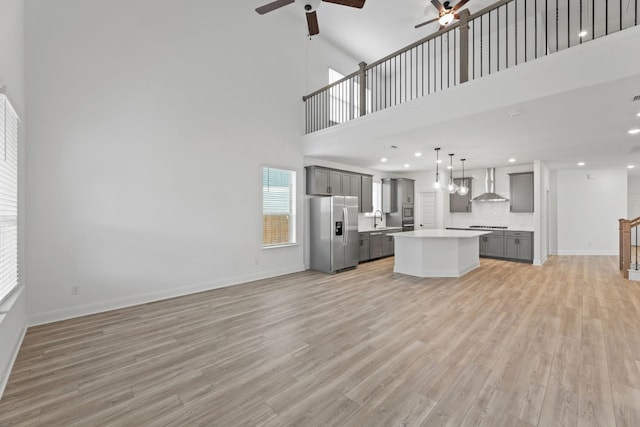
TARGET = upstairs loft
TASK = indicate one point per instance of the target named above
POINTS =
(459, 71)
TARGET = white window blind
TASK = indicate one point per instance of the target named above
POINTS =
(278, 207)
(8, 198)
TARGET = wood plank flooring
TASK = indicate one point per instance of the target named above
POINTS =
(508, 344)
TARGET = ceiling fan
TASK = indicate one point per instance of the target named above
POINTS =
(310, 7)
(446, 13)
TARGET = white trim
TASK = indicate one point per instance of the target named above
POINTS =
(11, 317)
(579, 253)
(99, 307)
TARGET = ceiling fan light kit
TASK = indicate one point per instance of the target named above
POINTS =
(446, 13)
(309, 7)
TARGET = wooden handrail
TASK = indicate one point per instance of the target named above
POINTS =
(625, 226)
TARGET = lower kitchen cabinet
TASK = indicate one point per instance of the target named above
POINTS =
(364, 247)
(492, 245)
(387, 244)
(375, 245)
(518, 245)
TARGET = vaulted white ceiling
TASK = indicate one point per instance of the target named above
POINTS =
(587, 122)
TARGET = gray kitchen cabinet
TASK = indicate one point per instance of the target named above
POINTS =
(521, 192)
(395, 192)
(518, 245)
(365, 204)
(375, 245)
(388, 247)
(323, 181)
(364, 246)
(406, 189)
(458, 203)
(492, 245)
(351, 184)
(389, 195)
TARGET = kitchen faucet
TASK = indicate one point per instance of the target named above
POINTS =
(374, 218)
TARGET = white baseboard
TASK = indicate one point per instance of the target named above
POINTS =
(587, 253)
(113, 304)
(6, 370)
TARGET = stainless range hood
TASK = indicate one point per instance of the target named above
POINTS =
(490, 188)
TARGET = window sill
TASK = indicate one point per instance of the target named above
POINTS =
(286, 245)
(10, 299)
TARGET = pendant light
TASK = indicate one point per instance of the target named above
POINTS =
(437, 185)
(452, 187)
(463, 189)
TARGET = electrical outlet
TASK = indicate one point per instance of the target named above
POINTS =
(75, 290)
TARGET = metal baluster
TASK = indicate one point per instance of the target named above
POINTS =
(526, 57)
(535, 26)
(568, 23)
(481, 47)
(498, 38)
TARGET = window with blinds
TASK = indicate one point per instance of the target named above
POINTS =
(8, 198)
(278, 207)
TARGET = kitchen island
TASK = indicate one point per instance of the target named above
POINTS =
(437, 252)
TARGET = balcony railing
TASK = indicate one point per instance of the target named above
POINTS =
(498, 37)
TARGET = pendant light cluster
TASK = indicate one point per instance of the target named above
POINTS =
(452, 187)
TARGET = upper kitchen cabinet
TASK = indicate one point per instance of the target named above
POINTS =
(395, 192)
(521, 192)
(323, 181)
(351, 184)
(458, 203)
(366, 190)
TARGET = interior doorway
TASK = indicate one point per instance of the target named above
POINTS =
(427, 209)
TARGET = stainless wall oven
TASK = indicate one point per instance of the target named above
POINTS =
(407, 217)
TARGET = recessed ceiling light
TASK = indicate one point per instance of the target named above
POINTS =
(449, 167)
(582, 33)
(638, 114)
(580, 163)
(438, 161)
(631, 166)
(406, 165)
(384, 159)
(512, 160)
(634, 131)
(418, 154)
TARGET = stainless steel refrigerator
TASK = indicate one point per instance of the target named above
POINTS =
(334, 233)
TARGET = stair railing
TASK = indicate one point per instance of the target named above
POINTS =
(626, 228)
(500, 36)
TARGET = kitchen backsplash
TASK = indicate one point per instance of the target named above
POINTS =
(491, 213)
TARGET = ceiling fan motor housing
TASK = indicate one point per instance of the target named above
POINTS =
(309, 5)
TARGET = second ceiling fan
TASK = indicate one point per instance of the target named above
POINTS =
(446, 13)
(309, 8)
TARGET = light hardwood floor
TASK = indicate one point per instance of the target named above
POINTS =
(506, 345)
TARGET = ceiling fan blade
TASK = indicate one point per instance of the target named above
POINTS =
(351, 3)
(425, 23)
(273, 6)
(459, 5)
(456, 16)
(312, 23)
(437, 5)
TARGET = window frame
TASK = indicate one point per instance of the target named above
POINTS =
(9, 175)
(293, 208)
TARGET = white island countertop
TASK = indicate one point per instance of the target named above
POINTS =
(439, 233)
(437, 252)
